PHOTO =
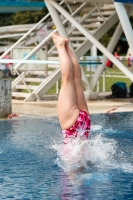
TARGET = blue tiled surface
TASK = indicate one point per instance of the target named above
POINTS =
(22, 3)
(124, 1)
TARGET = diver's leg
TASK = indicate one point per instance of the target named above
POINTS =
(67, 104)
(81, 102)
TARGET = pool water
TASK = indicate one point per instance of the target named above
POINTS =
(31, 166)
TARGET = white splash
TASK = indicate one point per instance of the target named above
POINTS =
(97, 151)
(96, 127)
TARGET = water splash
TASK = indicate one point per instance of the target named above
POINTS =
(97, 154)
(98, 151)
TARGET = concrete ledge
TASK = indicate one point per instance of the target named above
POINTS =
(91, 95)
(5, 98)
(49, 108)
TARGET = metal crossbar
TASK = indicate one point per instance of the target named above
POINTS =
(54, 62)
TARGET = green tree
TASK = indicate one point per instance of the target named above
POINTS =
(23, 17)
(28, 16)
(5, 19)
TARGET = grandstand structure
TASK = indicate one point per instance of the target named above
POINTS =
(15, 32)
(84, 23)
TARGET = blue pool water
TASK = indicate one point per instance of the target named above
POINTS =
(31, 167)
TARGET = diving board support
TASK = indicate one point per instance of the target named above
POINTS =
(110, 48)
(124, 19)
(93, 40)
(62, 32)
(24, 36)
(5, 97)
(48, 84)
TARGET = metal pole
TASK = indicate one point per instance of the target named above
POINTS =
(98, 86)
(104, 81)
(43, 42)
(124, 19)
(110, 48)
(24, 36)
(57, 87)
(46, 57)
(93, 40)
(62, 32)
(57, 21)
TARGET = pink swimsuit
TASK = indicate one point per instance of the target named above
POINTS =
(81, 128)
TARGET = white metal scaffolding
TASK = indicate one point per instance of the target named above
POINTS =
(91, 38)
(83, 32)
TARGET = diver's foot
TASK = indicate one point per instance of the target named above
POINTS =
(58, 40)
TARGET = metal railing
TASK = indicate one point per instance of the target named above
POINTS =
(90, 66)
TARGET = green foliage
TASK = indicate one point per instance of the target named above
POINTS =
(5, 19)
(28, 17)
(23, 17)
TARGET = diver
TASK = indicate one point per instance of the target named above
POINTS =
(73, 112)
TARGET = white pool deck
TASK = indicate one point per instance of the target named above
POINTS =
(49, 108)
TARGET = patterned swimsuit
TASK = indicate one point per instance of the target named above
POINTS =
(81, 128)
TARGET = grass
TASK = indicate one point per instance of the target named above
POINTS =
(111, 81)
(108, 83)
